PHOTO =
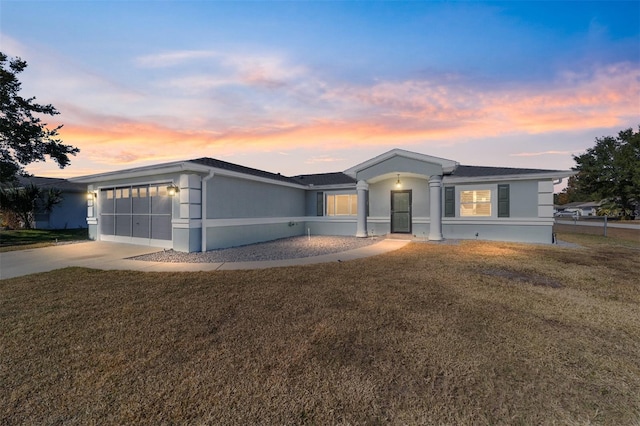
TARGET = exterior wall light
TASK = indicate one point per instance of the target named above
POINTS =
(398, 183)
(91, 195)
(172, 190)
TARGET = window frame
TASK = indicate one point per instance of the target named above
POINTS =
(331, 207)
(460, 188)
(478, 202)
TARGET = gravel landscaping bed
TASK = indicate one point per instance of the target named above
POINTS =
(286, 248)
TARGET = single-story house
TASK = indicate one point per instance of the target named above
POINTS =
(69, 213)
(579, 208)
(205, 203)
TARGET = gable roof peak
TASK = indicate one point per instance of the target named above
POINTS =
(448, 166)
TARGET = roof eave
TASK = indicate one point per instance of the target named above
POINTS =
(332, 186)
(556, 174)
(182, 166)
(179, 167)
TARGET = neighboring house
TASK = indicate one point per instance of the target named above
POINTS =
(69, 213)
(578, 208)
(206, 204)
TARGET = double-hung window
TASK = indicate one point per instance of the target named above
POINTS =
(475, 202)
(342, 205)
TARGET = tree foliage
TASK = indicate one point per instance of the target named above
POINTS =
(573, 193)
(24, 138)
(610, 171)
(18, 205)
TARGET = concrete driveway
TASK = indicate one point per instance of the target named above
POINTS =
(108, 255)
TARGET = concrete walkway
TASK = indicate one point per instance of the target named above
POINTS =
(114, 256)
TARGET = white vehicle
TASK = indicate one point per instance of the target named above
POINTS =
(567, 213)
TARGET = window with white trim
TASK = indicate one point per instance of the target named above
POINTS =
(475, 203)
(342, 205)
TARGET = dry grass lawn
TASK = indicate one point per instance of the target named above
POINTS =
(476, 333)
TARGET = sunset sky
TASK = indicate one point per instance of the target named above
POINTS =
(310, 87)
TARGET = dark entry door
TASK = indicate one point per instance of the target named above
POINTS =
(401, 212)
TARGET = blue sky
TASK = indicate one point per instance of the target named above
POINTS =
(307, 87)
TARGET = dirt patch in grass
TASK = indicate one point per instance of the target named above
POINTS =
(520, 277)
(418, 336)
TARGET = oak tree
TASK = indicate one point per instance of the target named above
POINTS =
(610, 171)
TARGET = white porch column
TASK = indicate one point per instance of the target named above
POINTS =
(362, 187)
(435, 209)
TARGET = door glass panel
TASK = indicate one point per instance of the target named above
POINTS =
(401, 203)
(400, 222)
(401, 212)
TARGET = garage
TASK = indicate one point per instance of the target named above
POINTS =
(139, 214)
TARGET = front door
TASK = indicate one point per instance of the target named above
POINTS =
(401, 212)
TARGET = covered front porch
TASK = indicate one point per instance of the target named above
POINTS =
(400, 192)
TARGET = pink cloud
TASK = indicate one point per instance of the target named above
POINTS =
(263, 102)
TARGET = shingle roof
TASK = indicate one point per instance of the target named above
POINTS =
(337, 178)
(219, 164)
(479, 171)
(340, 178)
(52, 183)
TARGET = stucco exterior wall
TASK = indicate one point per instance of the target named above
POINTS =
(311, 202)
(331, 226)
(187, 239)
(499, 231)
(229, 197)
(238, 235)
(523, 198)
(400, 165)
(380, 197)
(524, 224)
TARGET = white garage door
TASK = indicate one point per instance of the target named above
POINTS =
(139, 214)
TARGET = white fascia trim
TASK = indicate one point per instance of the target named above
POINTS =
(525, 221)
(145, 182)
(448, 166)
(529, 176)
(186, 223)
(332, 187)
(178, 167)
